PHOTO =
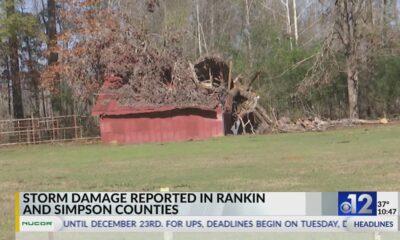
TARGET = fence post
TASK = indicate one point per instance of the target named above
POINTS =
(33, 129)
(19, 131)
(75, 127)
(59, 129)
(40, 129)
(54, 133)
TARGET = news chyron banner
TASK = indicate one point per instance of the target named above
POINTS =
(207, 212)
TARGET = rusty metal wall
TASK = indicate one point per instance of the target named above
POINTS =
(165, 126)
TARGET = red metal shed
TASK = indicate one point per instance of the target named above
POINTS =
(127, 124)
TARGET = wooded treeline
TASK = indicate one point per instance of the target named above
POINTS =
(333, 59)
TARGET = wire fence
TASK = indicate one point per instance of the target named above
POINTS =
(44, 130)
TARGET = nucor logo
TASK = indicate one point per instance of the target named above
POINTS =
(37, 223)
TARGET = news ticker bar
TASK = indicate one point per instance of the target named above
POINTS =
(210, 224)
(207, 211)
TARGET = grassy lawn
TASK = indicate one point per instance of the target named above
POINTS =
(349, 159)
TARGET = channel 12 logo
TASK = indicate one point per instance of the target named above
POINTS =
(357, 203)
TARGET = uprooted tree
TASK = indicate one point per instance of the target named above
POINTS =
(139, 73)
(142, 76)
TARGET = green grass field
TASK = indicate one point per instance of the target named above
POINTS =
(347, 159)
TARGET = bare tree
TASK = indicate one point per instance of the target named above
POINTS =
(348, 23)
(285, 3)
(352, 34)
(248, 32)
(296, 33)
(198, 27)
